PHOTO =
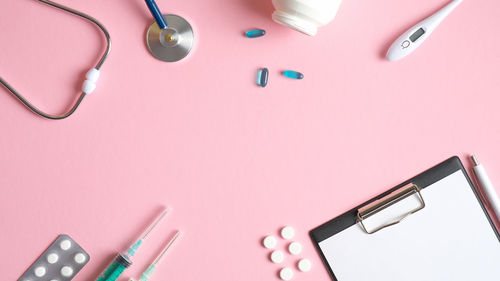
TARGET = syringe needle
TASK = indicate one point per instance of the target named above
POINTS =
(122, 261)
(170, 243)
(147, 273)
(133, 248)
(155, 223)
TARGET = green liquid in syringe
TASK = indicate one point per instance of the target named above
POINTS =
(122, 261)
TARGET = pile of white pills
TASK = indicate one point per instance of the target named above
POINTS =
(60, 262)
(294, 248)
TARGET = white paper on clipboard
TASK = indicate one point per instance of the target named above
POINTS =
(450, 239)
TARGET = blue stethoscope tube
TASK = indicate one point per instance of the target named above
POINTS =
(155, 11)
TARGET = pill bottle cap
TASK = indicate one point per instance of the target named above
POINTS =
(305, 15)
(295, 22)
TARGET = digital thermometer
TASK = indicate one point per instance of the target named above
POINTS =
(411, 39)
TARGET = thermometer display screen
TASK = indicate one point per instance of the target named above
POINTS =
(417, 34)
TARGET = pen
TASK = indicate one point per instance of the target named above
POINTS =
(487, 186)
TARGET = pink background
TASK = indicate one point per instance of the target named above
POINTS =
(235, 161)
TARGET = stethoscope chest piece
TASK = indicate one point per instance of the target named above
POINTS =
(172, 43)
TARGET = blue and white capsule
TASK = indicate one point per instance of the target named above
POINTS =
(262, 76)
(293, 74)
(255, 33)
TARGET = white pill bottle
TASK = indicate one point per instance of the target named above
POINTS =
(305, 15)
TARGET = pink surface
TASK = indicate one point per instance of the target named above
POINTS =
(235, 161)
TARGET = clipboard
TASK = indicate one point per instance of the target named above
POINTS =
(432, 227)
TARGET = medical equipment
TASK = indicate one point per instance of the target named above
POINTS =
(293, 74)
(416, 35)
(304, 265)
(122, 261)
(287, 232)
(277, 256)
(295, 248)
(170, 38)
(305, 15)
(286, 274)
(89, 84)
(255, 33)
(270, 242)
(61, 261)
(147, 273)
(262, 77)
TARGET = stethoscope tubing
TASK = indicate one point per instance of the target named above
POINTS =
(155, 11)
(98, 66)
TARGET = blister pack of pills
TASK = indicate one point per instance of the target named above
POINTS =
(60, 262)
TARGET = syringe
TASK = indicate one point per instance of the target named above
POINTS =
(122, 261)
(147, 273)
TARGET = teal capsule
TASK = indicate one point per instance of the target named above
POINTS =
(255, 33)
(262, 76)
(293, 74)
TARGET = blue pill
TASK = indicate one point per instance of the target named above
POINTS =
(262, 76)
(293, 74)
(255, 33)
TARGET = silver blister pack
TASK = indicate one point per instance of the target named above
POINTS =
(60, 262)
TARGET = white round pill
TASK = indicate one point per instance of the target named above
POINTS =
(277, 256)
(304, 265)
(295, 248)
(80, 258)
(40, 271)
(65, 244)
(52, 258)
(270, 242)
(286, 273)
(287, 232)
(66, 271)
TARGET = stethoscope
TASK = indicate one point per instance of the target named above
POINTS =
(168, 42)
(92, 75)
(170, 38)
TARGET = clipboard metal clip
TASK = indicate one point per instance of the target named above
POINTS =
(387, 201)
